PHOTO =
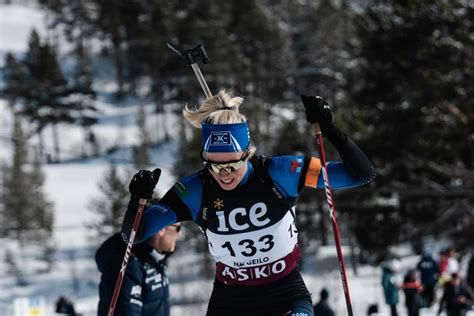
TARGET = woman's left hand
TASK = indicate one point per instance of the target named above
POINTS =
(317, 110)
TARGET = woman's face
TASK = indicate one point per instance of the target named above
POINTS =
(227, 180)
(165, 239)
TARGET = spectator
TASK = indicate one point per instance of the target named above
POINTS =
(429, 269)
(448, 265)
(470, 272)
(373, 310)
(457, 298)
(322, 307)
(390, 284)
(64, 306)
(412, 288)
(144, 289)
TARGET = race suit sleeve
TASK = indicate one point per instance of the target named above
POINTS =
(356, 163)
(291, 173)
(181, 203)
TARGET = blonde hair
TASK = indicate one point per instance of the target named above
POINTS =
(222, 108)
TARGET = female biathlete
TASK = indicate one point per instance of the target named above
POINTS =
(245, 205)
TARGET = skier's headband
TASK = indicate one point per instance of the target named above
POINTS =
(218, 138)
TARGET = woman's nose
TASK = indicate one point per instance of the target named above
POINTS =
(224, 171)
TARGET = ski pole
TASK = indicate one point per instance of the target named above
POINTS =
(332, 213)
(128, 250)
(191, 57)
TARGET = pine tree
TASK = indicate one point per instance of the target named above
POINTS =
(140, 152)
(412, 91)
(47, 254)
(43, 211)
(33, 56)
(76, 20)
(290, 140)
(14, 80)
(188, 152)
(14, 268)
(321, 43)
(111, 206)
(3, 218)
(112, 17)
(16, 199)
(28, 215)
(49, 99)
(258, 64)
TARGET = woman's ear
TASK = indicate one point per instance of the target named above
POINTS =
(203, 155)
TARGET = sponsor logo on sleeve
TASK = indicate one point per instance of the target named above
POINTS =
(296, 165)
(180, 189)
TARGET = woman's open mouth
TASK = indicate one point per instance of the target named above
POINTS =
(226, 181)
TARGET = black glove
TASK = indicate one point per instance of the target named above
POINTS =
(143, 183)
(317, 111)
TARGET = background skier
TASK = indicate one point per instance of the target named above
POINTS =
(145, 288)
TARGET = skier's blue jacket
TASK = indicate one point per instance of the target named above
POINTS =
(144, 291)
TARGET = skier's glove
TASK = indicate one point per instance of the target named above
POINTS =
(317, 111)
(143, 183)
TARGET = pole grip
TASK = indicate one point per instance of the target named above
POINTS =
(316, 129)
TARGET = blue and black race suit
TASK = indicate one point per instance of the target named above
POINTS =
(251, 229)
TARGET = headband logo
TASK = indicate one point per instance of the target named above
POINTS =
(225, 137)
(220, 138)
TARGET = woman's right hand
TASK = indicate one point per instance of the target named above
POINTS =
(143, 183)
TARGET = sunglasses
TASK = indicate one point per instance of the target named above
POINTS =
(228, 166)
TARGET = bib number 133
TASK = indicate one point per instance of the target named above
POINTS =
(264, 244)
